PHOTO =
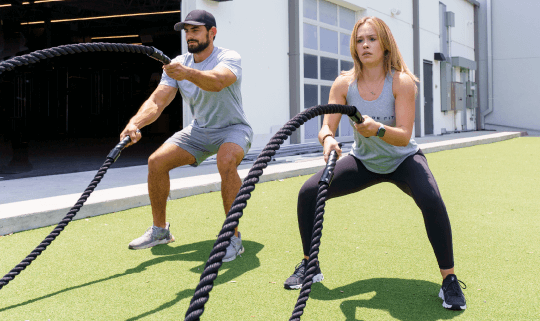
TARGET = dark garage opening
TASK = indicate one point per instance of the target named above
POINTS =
(64, 114)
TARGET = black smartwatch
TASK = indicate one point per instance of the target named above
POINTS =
(381, 131)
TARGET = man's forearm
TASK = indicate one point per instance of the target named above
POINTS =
(146, 115)
(207, 80)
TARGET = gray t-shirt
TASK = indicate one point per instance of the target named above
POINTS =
(212, 109)
(377, 155)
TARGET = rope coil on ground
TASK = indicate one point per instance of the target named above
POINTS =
(201, 296)
(36, 56)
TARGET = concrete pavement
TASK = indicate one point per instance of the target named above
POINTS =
(34, 202)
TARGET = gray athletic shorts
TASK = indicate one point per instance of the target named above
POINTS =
(205, 142)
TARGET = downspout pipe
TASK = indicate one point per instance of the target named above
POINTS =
(477, 74)
(294, 65)
(416, 57)
(489, 109)
(479, 114)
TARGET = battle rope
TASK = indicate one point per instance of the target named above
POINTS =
(324, 183)
(214, 262)
(111, 158)
(206, 283)
(36, 56)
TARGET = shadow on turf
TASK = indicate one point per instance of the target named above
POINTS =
(195, 252)
(406, 300)
(247, 262)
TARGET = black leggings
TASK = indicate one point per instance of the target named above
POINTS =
(412, 176)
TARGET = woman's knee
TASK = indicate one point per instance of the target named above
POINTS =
(308, 191)
(431, 203)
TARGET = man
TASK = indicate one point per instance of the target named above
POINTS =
(209, 79)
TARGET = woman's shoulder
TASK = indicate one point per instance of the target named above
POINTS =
(340, 87)
(402, 82)
(343, 82)
(402, 77)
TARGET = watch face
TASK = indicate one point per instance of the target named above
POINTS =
(381, 132)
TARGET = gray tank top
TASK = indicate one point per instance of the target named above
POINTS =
(377, 155)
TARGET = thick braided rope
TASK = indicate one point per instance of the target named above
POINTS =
(59, 228)
(38, 55)
(206, 283)
(314, 247)
(111, 158)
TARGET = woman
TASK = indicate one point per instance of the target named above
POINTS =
(383, 89)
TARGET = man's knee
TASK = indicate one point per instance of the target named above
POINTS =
(227, 162)
(154, 162)
(229, 157)
(159, 161)
(168, 157)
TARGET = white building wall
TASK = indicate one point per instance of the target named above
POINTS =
(262, 41)
(516, 66)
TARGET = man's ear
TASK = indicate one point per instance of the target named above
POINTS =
(213, 32)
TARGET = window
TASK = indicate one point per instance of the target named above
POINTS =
(326, 34)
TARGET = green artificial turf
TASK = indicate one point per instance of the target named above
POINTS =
(375, 255)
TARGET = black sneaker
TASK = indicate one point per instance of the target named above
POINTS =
(294, 282)
(453, 298)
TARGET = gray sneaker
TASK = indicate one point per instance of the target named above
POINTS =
(234, 249)
(153, 236)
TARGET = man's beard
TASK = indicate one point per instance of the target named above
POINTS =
(200, 47)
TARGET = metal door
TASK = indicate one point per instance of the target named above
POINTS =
(428, 97)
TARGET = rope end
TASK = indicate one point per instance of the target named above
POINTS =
(160, 56)
(357, 117)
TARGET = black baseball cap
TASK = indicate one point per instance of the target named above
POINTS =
(197, 18)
